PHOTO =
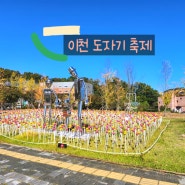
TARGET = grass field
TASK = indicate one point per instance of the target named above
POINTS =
(168, 154)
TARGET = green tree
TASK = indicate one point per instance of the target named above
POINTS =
(146, 93)
(143, 106)
(7, 73)
(96, 98)
(28, 75)
(9, 95)
(60, 79)
(29, 96)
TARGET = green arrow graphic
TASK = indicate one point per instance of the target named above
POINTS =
(45, 51)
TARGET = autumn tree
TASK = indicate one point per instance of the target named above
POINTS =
(22, 83)
(38, 94)
(30, 91)
(107, 87)
(113, 91)
(14, 79)
(109, 95)
(166, 97)
(2, 78)
(118, 94)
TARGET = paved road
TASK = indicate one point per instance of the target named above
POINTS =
(23, 166)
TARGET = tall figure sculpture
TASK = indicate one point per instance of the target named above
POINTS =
(47, 99)
(80, 92)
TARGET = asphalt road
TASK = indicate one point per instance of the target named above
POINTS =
(23, 166)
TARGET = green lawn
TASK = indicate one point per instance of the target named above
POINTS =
(168, 153)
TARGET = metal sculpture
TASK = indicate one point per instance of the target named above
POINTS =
(80, 92)
(132, 98)
(47, 99)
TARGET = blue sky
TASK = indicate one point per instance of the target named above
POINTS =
(165, 19)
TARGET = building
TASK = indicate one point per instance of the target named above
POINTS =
(66, 87)
(177, 103)
(62, 87)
